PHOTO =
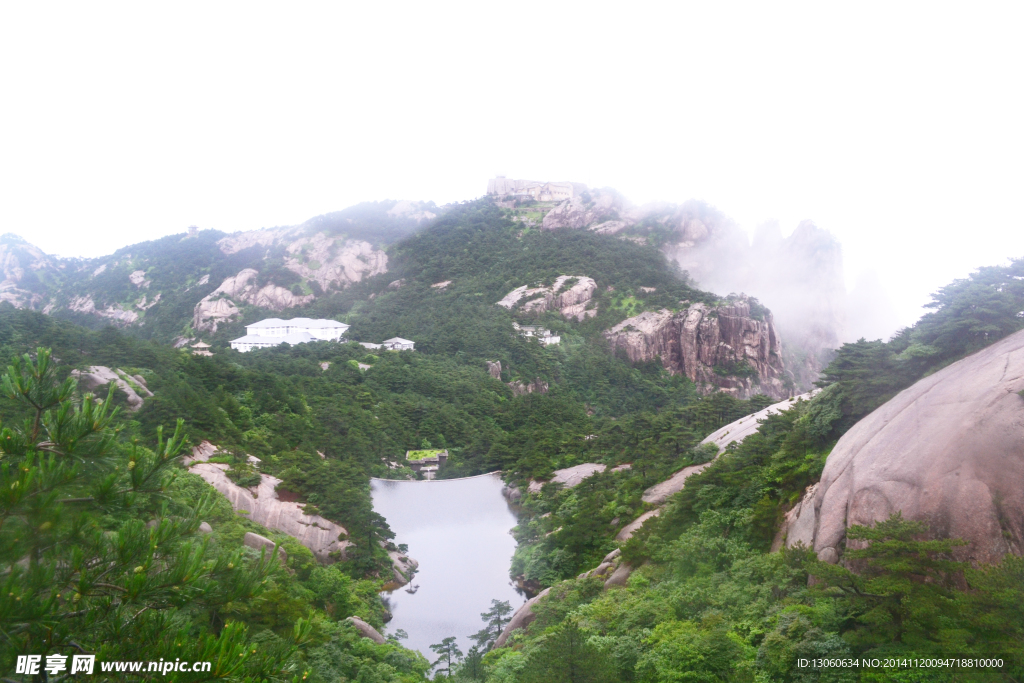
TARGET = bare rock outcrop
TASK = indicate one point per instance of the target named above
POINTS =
(366, 631)
(333, 262)
(948, 451)
(808, 295)
(739, 430)
(114, 312)
(595, 207)
(494, 369)
(320, 535)
(220, 305)
(745, 426)
(569, 477)
(520, 388)
(718, 348)
(569, 295)
(263, 543)
(96, 376)
(523, 617)
(402, 567)
(18, 258)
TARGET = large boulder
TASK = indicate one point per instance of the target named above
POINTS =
(366, 631)
(948, 451)
(523, 617)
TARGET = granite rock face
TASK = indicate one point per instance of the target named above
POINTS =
(696, 341)
(96, 376)
(569, 299)
(800, 277)
(114, 312)
(220, 305)
(366, 631)
(948, 451)
(520, 388)
(263, 543)
(523, 617)
(570, 476)
(313, 531)
(745, 426)
(494, 369)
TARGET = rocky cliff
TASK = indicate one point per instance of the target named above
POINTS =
(948, 451)
(721, 347)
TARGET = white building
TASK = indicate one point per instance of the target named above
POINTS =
(274, 331)
(541, 333)
(397, 344)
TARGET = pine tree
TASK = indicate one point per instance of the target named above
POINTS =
(495, 620)
(449, 655)
(82, 571)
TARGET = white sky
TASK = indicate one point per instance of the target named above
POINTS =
(897, 126)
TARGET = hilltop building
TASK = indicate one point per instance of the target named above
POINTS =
(530, 189)
(274, 331)
(541, 333)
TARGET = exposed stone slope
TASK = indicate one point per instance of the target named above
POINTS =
(948, 451)
(221, 305)
(570, 300)
(96, 376)
(313, 531)
(20, 261)
(695, 341)
(612, 569)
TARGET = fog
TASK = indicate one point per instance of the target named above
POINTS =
(896, 128)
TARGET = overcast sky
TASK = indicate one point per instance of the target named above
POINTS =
(896, 126)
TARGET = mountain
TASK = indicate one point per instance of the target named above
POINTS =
(661, 488)
(192, 283)
(800, 277)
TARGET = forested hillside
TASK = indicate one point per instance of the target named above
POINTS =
(362, 411)
(707, 600)
(710, 602)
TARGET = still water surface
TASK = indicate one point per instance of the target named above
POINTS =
(458, 531)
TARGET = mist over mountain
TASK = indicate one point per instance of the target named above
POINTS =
(638, 375)
(194, 283)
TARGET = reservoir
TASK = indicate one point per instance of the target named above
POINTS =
(458, 531)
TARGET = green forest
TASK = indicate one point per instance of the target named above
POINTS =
(100, 543)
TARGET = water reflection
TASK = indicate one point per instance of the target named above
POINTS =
(458, 531)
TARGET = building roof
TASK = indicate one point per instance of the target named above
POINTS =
(311, 323)
(200, 345)
(369, 345)
(293, 338)
(398, 340)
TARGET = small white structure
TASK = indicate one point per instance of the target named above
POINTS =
(541, 333)
(274, 331)
(397, 344)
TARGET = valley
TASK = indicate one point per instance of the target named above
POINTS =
(701, 480)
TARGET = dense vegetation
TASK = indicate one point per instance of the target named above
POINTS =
(709, 602)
